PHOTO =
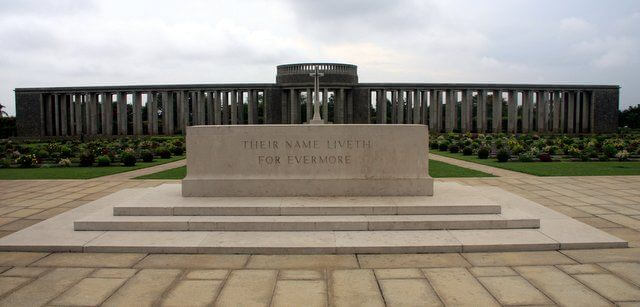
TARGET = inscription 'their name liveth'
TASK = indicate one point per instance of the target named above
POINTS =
(291, 156)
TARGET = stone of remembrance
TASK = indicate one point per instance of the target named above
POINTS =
(307, 160)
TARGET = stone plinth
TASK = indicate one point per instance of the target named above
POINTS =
(307, 160)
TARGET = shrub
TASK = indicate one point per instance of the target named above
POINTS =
(146, 155)
(177, 150)
(622, 155)
(585, 156)
(163, 152)
(5, 163)
(609, 150)
(433, 145)
(177, 143)
(467, 151)
(103, 160)
(87, 158)
(64, 162)
(443, 146)
(573, 152)
(454, 149)
(603, 158)
(483, 153)
(26, 161)
(545, 157)
(65, 152)
(128, 158)
(525, 157)
(42, 154)
(503, 155)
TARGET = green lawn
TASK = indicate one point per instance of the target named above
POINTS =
(437, 169)
(610, 168)
(76, 172)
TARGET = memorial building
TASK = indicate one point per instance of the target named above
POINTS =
(445, 107)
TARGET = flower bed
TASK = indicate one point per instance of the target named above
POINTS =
(98, 152)
(534, 148)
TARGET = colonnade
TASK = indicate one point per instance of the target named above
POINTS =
(167, 111)
(292, 98)
(485, 110)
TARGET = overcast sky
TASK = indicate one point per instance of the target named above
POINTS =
(82, 42)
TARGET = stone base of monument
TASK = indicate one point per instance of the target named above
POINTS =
(309, 189)
(456, 219)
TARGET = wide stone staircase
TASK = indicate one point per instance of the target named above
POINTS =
(163, 209)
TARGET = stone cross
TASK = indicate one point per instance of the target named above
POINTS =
(316, 102)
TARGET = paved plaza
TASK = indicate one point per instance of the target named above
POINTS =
(566, 277)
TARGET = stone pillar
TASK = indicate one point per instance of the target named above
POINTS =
(48, 114)
(54, 115)
(217, 105)
(394, 107)
(400, 113)
(252, 115)
(106, 114)
(234, 107)
(592, 113)
(368, 104)
(382, 107)
(202, 108)
(152, 114)
(240, 105)
(186, 111)
(433, 111)
(72, 113)
(325, 106)
(121, 108)
(62, 107)
(451, 110)
(349, 106)
(417, 106)
(93, 113)
(586, 100)
(284, 106)
(527, 102)
(496, 118)
(555, 109)
(466, 111)
(295, 107)
(167, 115)
(409, 107)
(339, 107)
(541, 109)
(564, 103)
(209, 109)
(571, 109)
(578, 116)
(424, 107)
(308, 105)
(481, 117)
(87, 113)
(179, 112)
(512, 112)
(225, 107)
(137, 112)
(191, 116)
(80, 127)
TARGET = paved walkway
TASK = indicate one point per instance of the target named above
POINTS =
(145, 171)
(568, 277)
(479, 167)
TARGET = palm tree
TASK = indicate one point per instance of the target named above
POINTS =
(2, 112)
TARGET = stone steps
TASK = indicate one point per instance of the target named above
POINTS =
(106, 222)
(320, 208)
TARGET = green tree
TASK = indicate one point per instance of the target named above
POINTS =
(630, 117)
